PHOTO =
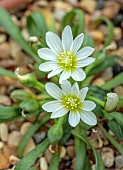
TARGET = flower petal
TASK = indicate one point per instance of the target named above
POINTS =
(59, 112)
(88, 105)
(64, 76)
(84, 53)
(85, 62)
(54, 42)
(54, 72)
(75, 89)
(48, 66)
(83, 93)
(53, 90)
(88, 118)
(77, 43)
(66, 86)
(46, 54)
(78, 74)
(51, 106)
(67, 38)
(74, 118)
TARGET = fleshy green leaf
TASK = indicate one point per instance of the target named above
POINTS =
(54, 161)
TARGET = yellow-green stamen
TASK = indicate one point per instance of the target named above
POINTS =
(67, 60)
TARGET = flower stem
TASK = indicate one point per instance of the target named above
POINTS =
(97, 101)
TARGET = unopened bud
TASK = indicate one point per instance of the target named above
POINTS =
(111, 103)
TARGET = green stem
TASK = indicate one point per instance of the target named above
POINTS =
(39, 86)
(97, 101)
(54, 162)
(111, 139)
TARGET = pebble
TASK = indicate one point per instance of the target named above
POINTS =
(1, 145)
(117, 69)
(43, 164)
(118, 90)
(64, 164)
(97, 36)
(24, 128)
(107, 74)
(14, 138)
(4, 50)
(62, 152)
(10, 150)
(5, 100)
(29, 146)
(39, 136)
(88, 5)
(13, 160)
(4, 161)
(48, 155)
(107, 157)
(3, 132)
(118, 18)
(2, 38)
(100, 4)
(98, 82)
(119, 161)
(71, 151)
(117, 33)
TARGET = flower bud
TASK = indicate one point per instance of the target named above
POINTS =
(111, 103)
(55, 133)
(19, 95)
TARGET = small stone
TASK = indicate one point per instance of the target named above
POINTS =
(117, 69)
(97, 36)
(119, 161)
(71, 151)
(10, 150)
(43, 164)
(4, 161)
(39, 136)
(107, 74)
(64, 164)
(2, 38)
(98, 82)
(1, 145)
(5, 100)
(24, 128)
(29, 146)
(13, 160)
(4, 50)
(107, 157)
(100, 4)
(3, 132)
(119, 90)
(117, 33)
(14, 138)
(88, 5)
(48, 155)
(62, 152)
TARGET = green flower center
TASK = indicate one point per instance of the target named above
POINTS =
(67, 61)
(72, 103)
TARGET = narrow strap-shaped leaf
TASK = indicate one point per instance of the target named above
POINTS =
(34, 127)
(110, 26)
(112, 140)
(117, 80)
(87, 164)
(7, 73)
(7, 23)
(54, 161)
(26, 162)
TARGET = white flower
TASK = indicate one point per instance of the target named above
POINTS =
(72, 100)
(64, 56)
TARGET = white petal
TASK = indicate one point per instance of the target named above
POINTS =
(88, 117)
(58, 112)
(64, 76)
(85, 62)
(83, 93)
(54, 42)
(84, 52)
(53, 90)
(78, 74)
(46, 53)
(77, 43)
(67, 38)
(66, 86)
(48, 66)
(74, 118)
(51, 106)
(88, 105)
(54, 72)
(75, 89)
